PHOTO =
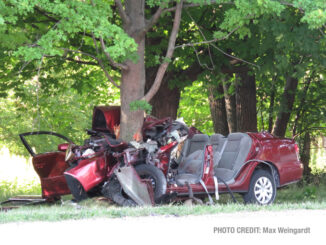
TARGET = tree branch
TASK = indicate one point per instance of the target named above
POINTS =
(113, 63)
(73, 60)
(122, 12)
(82, 61)
(153, 20)
(162, 69)
(208, 41)
(80, 52)
(234, 57)
(99, 61)
(209, 49)
(46, 14)
(190, 5)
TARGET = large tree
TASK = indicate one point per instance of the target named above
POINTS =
(111, 35)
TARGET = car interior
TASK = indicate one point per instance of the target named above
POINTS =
(229, 155)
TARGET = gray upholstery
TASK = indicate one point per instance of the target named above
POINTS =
(197, 142)
(234, 156)
(181, 179)
(191, 165)
(217, 142)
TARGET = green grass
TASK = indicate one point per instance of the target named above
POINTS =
(291, 198)
(16, 187)
(20, 181)
(86, 210)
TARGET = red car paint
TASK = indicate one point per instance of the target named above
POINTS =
(111, 114)
(90, 172)
(279, 153)
(50, 168)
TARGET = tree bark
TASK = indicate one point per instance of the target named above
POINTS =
(271, 109)
(286, 106)
(246, 103)
(166, 93)
(217, 107)
(230, 108)
(165, 102)
(305, 155)
(170, 50)
(133, 79)
(300, 109)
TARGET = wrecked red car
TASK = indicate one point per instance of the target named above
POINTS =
(173, 163)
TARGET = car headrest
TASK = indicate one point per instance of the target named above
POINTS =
(236, 136)
(199, 137)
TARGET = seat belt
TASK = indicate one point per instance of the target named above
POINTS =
(217, 197)
(215, 178)
(222, 150)
(211, 202)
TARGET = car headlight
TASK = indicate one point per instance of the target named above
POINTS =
(69, 153)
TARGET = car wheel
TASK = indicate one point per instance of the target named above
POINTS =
(113, 190)
(262, 189)
(155, 175)
(76, 188)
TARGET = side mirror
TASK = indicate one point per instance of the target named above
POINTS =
(63, 147)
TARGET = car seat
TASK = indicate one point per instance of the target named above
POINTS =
(190, 167)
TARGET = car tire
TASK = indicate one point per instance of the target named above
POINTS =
(76, 188)
(262, 189)
(146, 171)
(112, 189)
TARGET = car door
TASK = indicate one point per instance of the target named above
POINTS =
(48, 157)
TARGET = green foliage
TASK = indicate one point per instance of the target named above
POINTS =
(141, 105)
(14, 188)
(194, 107)
(69, 18)
(35, 109)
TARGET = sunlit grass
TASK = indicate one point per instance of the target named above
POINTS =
(17, 176)
(95, 209)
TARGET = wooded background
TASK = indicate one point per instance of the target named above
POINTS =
(225, 66)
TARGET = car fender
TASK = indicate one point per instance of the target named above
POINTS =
(89, 172)
(255, 164)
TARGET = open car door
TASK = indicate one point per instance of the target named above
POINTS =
(48, 156)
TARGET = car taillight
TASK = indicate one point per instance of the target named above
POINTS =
(296, 147)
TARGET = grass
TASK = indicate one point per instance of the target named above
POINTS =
(292, 198)
(18, 178)
(94, 209)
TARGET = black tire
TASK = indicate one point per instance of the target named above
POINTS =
(76, 188)
(113, 190)
(262, 189)
(146, 171)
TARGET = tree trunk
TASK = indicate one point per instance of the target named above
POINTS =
(271, 109)
(230, 108)
(133, 79)
(300, 109)
(165, 102)
(305, 156)
(217, 107)
(246, 103)
(287, 101)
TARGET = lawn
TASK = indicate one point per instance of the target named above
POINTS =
(22, 180)
(290, 198)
